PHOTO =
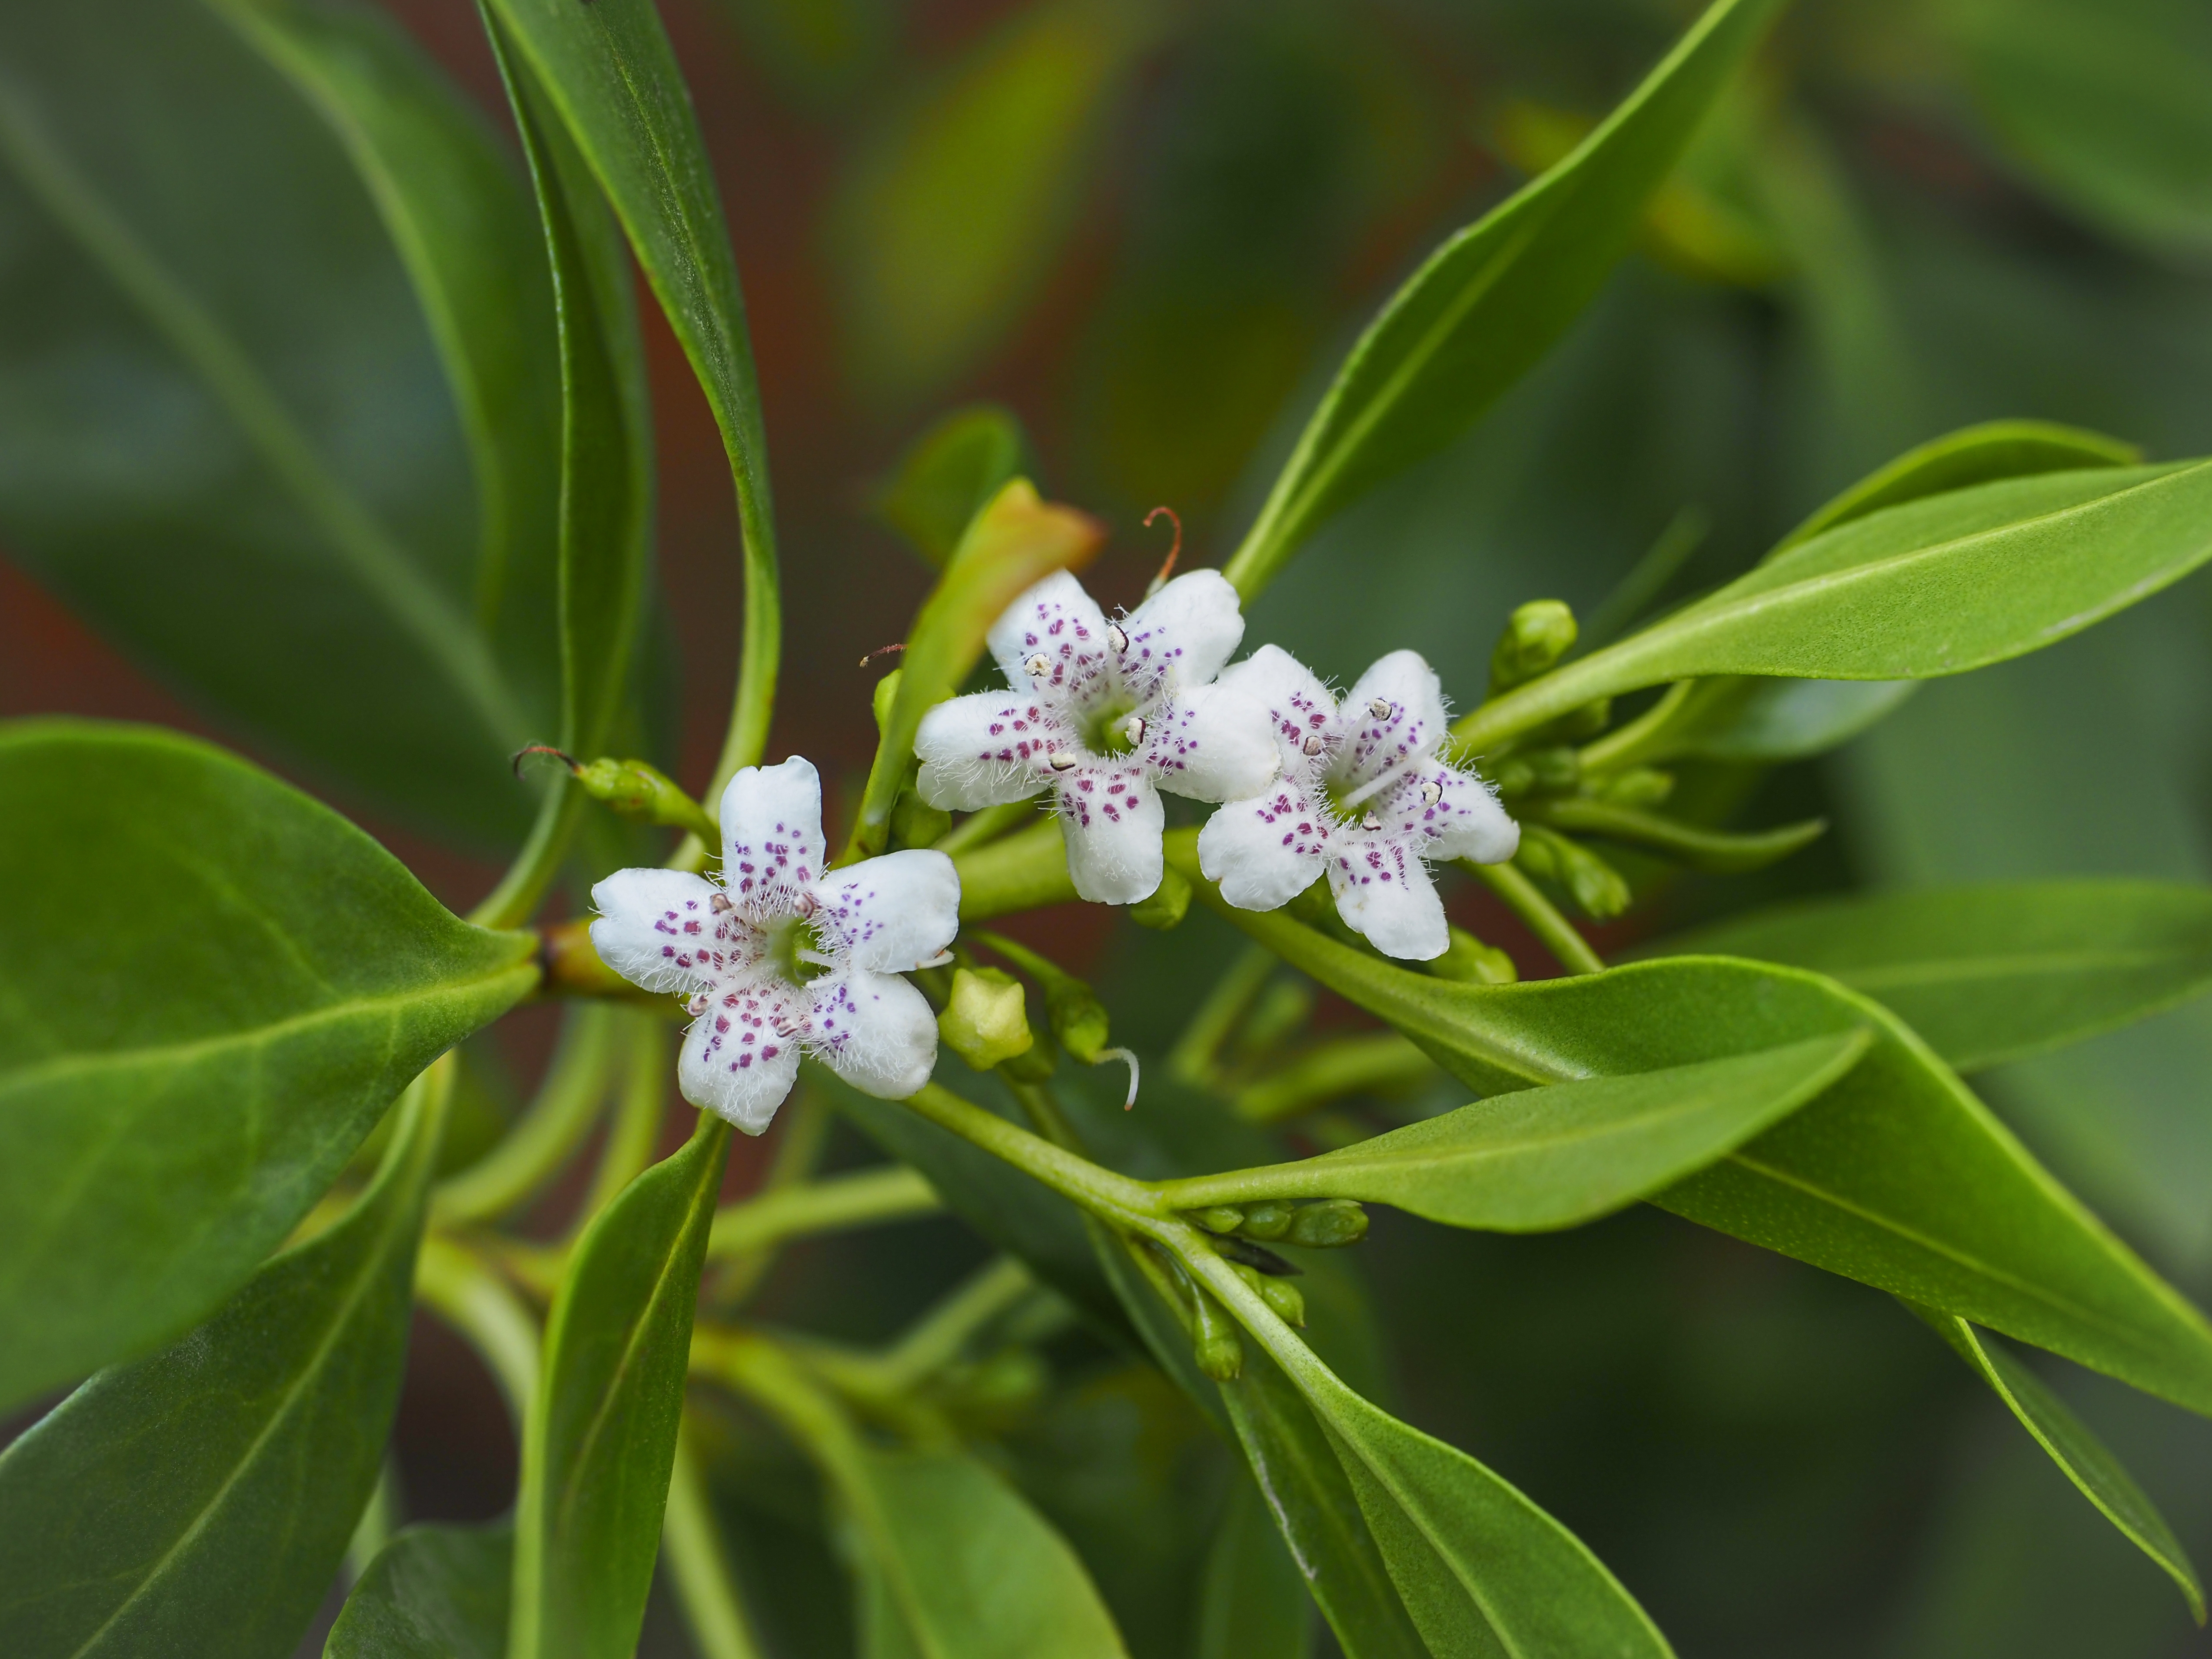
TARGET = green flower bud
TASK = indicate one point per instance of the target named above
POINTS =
(915, 822)
(985, 1021)
(1285, 1298)
(1536, 636)
(1557, 769)
(1269, 1218)
(1639, 786)
(1169, 903)
(886, 690)
(1514, 777)
(1329, 1225)
(1220, 1218)
(1220, 1352)
(1468, 958)
(1598, 890)
(635, 790)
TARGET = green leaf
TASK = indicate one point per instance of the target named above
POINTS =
(610, 71)
(210, 988)
(601, 1435)
(232, 443)
(1010, 546)
(1935, 587)
(199, 1500)
(1489, 302)
(1897, 1175)
(2080, 1456)
(1987, 975)
(949, 475)
(1554, 1157)
(1252, 1603)
(434, 1592)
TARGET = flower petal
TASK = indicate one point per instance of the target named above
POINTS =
(1463, 822)
(1057, 618)
(889, 914)
(984, 749)
(1412, 725)
(1112, 820)
(1211, 744)
(875, 1030)
(1385, 893)
(1298, 704)
(1191, 626)
(735, 1064)
(655, 928)
(772, 847)
(1264, 851)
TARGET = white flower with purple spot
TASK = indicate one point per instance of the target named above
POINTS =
(783, 958)
(1104, 714)
(1363, 795)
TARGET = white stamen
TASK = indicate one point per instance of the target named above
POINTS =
(1117, 638)
(1039, 666)
(1380, 709)
(1371, 821)
(721, 904)
(815, 959)
(1061, 761)
(1368, 788)
(1315, 743)
(1129, 1058)
(942, 959)
(803, 906)
(1432, 793)
(1133, 730)
(700, 1003)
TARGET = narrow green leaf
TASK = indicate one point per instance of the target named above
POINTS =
(1988, 974)
(1488, 304)
(199, 1500)
(434, 1592)
(233, 447)
(601, 1435)
(1932, 587)
(1897, 1175)
(609, 69)
(1673, 838)
(1252, 1603)
(1555, 1157)
(2080, 1456)
(949, 475)
(1013, 543)
(210, 988)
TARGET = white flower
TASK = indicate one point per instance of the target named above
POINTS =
(1105, 714)
(782, 957)
(1362, 792)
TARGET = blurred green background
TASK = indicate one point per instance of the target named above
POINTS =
(1150, 230)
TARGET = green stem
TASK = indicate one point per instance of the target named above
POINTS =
(516, 899)
(935, 1340)
(463, 1290)
(1372, 1062)
(988, 825)
(1192, 1059)
(697, 1562)
(1557, 935)
(379, 1518)
(540, 1142)
(1115, 1197)
(1624, 745)
(1023, 871)
(836, 1205)
(1718, 850)
(635, 1135)
(801, 1142)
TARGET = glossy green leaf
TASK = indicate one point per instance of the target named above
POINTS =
(1986, 974)
(231, 441)
(2080, 1456)
(1897, 1175)
(210, 988)
(949, 475)
(610, 71)
(1252, 1604)
(1932, 587)
(601, 1435)
(960, 201)
(434, 1592)
(1488, 304)
(1016, 542)
(1558, 1156)
(199, 1500)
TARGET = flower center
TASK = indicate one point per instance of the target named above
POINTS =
(1114, 728)
(798, 950)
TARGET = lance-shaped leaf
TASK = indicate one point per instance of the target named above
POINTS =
(1558, 1156)
(610, 71)
(210, 988)
(199, 1500)
(1935, 587)
(232, 442)
(1897, 1175)
(1489, 302)
(601, 1435)
(1252, 1601)
(434, 1592)
(1988, 974)
(1013, 543)
(949, 475)
(2080, 1456)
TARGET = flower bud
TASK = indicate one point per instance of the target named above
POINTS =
(915, 822)
(1581, 725)
(1536, 636)
(1221, 1353)
(1270, 1219)
(1166, 907)
(1219, 1217)
(1468, 958)
(635, 790)
(1284, 1298)
(1598, 890)
(1639, 786)
(985, 1021)
(886, 691)
(1328, 1225)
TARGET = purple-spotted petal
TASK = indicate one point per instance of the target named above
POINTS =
(772, 847)
(1395, 715)
(1464, 820)
(1386, 894)
(1265, 851)
(1211, 744)
(1112, 820)
(1298, 706)
(984, 749)
(889, 914)
(1058, 621)
(656, 927)
(1194, 622)
(737, 1063)
(875, 1030)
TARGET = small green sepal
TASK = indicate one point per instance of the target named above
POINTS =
(1168, 905)
(1328, 1225)
(985, 1021)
